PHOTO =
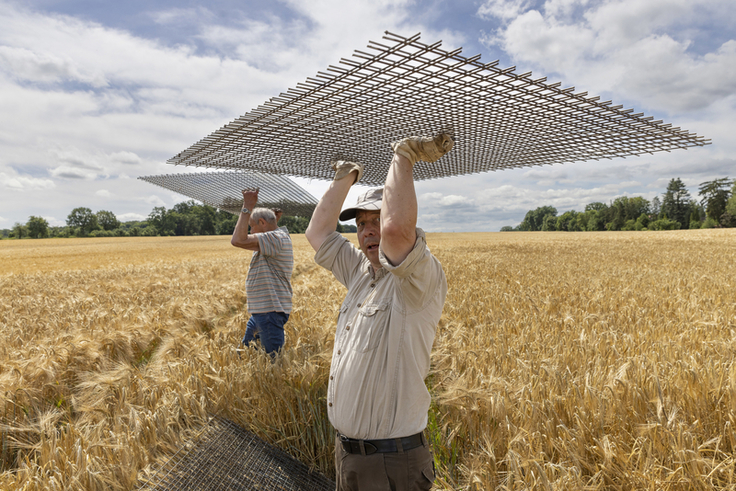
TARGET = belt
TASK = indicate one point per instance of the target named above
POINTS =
(389, 445)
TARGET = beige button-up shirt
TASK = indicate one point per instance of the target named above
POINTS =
(383, 341)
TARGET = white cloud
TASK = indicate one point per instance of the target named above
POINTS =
(455, 201)
(180, 16)
(128, 158)
(73, 163)
(103, 193)
(19, 182)
(128, 217)
(76, 158)
(506, 192)
(563, 8)
(58, 48)
(72, 172)
(503, 9)
(53, 221)
(154, 200)
(430, 197)
(636, 49)
(26, 65)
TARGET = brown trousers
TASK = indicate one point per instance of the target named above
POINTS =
(412, 470)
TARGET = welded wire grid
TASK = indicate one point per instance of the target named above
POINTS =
(223, 190)
(226, 457)
(402, 87)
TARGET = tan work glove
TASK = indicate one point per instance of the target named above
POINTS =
(343, 168)
(423, 148)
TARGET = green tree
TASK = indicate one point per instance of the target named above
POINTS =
(709, 223)
(581, 221)
(534, 219)
(617, 215)
(37, 227)
(638, 206)
(642, 222)
(595, 220)
(149, 231)
(550, 223)
(728, 219)
(715, 195)
(159, 219)
(656, 207)
(295, 225)
(107, 220)
(625, 209)
(206, 219)
(676, 203)
(629, 225)
(226, 224)
(566, 221)
(185, 207)
(19, 231)
(695, 221)
(596, 216)
(190, 218)
(183, 223)
(83, 219)
(62, 232)
(731, 205)
(345, 229)
(664, 224)
(595, 206)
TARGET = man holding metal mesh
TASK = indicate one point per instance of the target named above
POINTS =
(376, 398)
(268, 284)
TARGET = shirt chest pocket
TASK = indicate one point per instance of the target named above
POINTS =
(369, 326)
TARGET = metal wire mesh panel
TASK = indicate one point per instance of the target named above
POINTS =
(499, 119)
(223, 190)
(226, 457)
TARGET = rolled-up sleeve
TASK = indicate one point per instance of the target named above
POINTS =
(420, 274)
(338, 255)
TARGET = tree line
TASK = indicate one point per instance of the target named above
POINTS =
(185, 218)
(676, 210)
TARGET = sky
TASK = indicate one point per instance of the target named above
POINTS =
(94, 93)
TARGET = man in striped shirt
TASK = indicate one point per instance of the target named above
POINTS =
(268, 285)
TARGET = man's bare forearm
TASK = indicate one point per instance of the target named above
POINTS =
(399, 211)
(241, 238)
(325, 216)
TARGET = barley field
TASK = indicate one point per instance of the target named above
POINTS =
(590, 361)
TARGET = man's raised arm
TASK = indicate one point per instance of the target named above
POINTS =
(326, 213)
(399, 209)
(241, 238)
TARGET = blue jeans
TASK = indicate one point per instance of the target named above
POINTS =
(268, 328)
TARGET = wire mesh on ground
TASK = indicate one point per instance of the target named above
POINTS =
(226, 457)
(499, 119)
(223, 190)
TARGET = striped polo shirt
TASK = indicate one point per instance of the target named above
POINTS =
(268, 285)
